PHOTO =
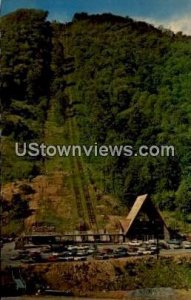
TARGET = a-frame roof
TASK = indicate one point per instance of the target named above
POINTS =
(140, 200)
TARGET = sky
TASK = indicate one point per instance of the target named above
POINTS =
(172, 14)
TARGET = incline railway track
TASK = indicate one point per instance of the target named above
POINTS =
(85, 185)
(78, 168)
(89, 205)
(77, 194)
(78, 199)
(84, 198)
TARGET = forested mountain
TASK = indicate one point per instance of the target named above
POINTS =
(128, 84)
(25, 82)
(133, 83)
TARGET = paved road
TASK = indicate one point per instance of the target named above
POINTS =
(175, 252)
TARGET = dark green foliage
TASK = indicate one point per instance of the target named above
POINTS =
(133, 82)
(25, 62)
(25, 81)
(183, 196)
(58, 82)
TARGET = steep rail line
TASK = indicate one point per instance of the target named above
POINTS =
(84, 182)
(84, 202)
(76, 189)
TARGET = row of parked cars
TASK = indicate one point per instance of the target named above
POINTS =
(138, 248)
(170, 244)
(54, 253)
(178, 244)
(59, 252)
(130, 249)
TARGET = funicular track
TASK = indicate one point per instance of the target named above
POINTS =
(76, 189)
(78, 167)
(82, 181)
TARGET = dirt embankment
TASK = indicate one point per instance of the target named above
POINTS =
(89, 278)
(52, 199)
(46, 195)
(108, 279)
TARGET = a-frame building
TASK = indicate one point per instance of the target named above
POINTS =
(144, 221)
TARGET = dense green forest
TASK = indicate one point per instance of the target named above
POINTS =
(133, 83)
(128, 84)
(25, 78)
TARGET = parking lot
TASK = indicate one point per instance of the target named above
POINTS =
(84, 252)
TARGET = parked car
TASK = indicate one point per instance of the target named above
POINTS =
(66, 253)
(120, 254)
(174, 242)
(122, 249)
(151, 242)
(81, 253)
(18, 256)
(186, 245)
(52, 258)
(141, 250)
(46, 249)
(72, 247)
(153, 248)
(82, 247)
(107, 250)
(133, 253)
(101, 256)
(80, 258)
(57, 248)
(135, 243)
(66, 258)
(91, 251)
(148, 252)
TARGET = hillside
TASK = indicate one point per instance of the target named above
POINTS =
(132, 84)
(103, 79)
